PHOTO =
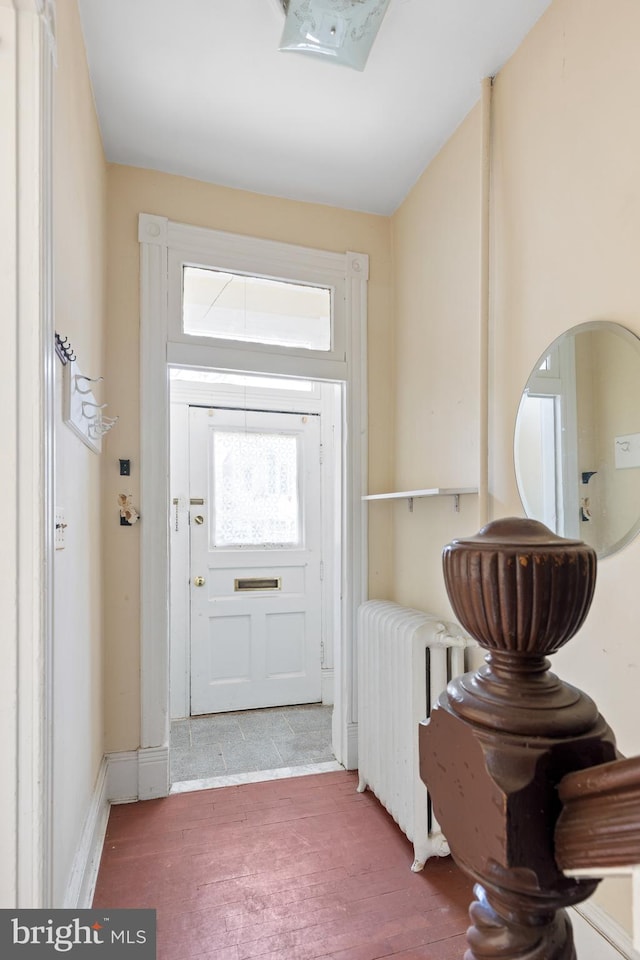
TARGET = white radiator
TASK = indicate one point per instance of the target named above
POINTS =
(405, 660)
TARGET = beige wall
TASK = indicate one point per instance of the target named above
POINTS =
(565, 249)
(608, 407)
(436, 242)
(133, 191)
(617, 387)
(566, 233)
(79, 202)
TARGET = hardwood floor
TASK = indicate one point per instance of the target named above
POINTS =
(293, 869)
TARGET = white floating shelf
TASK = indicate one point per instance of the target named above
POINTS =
(411, 495)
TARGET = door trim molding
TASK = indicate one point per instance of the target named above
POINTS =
(27, 399)
(157, 351)
(154, 485)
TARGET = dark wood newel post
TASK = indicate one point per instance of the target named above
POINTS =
(500, 740)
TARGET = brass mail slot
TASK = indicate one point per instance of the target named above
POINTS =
(258, 583)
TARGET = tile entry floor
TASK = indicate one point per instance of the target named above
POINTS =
(224, 744)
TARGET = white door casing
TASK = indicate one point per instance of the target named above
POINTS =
(27, 29)
(158, 350)
(255, 559)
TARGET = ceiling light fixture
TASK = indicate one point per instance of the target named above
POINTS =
(341, 31)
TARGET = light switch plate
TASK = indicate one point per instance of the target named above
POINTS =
(627, 451)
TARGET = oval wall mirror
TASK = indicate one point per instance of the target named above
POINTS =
(577, 437)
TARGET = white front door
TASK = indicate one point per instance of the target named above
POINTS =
(255, 559)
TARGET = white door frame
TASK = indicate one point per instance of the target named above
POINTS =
(27, 28)
(160, 239)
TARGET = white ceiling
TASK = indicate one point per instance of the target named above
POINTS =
(199, 88)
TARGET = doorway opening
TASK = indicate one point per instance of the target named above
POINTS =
(167, 249)
(255, 544)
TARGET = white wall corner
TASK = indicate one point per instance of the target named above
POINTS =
(152, 229)
(86, 862)
(153, 772)
(358, 265)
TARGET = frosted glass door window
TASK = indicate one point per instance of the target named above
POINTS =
(255, 310)
(256, 489)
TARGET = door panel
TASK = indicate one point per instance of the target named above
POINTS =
(255, 621)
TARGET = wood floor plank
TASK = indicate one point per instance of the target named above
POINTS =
(300, 869)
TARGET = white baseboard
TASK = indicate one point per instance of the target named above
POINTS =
(84, 870)
(122, 776)
(602, 936)
(153, 772)
(138, 774)
(351, 759)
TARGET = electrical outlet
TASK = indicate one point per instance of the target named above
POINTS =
(61, 526)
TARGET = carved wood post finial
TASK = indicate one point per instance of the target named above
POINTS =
(501, 739)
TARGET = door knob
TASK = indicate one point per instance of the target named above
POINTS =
(198, 581)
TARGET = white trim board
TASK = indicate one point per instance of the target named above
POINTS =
(26, 473)
(601, 920)
(122, 778)
(598, 936)
(157, 236)
(86, 863)
(138, 774)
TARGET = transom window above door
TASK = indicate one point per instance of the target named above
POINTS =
(252, 309)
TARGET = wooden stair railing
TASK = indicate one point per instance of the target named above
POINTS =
(599, 826)
(501, 741)
(598, 831)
